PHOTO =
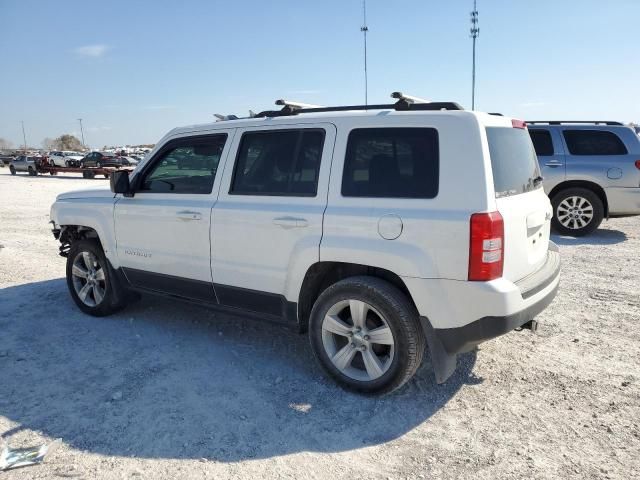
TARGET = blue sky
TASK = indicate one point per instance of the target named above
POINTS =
(135, 69)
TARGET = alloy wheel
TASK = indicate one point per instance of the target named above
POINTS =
(575, 212)
(88, 279)
(358, 340)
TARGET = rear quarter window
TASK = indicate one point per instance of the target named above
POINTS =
(392, 163)
(513, 161)
(542, 142)
(594, 142)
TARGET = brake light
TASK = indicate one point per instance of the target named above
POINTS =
(638, 164)
(486, 247)
(518, 123)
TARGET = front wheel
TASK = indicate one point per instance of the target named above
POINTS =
(576, 212)
(12, 169)
(92, 283)
(366, 334)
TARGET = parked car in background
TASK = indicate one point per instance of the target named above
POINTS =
(591, 171)
(354, 226)
(6, 159)
(100, 159)
(24, 163)
(65, 158)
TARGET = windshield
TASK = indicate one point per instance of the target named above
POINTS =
(71, 154)
(513, 161)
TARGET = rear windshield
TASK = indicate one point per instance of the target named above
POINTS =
(513, 161)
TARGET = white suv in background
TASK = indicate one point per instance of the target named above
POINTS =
(378, 230)
(65, 158)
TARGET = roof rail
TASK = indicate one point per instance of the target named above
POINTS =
(404, 103)
(564, 122)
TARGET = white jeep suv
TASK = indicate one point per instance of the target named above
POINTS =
(379, 230)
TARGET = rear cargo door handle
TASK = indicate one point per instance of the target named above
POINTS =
(553, 164)
(187, 215)
(290, 222)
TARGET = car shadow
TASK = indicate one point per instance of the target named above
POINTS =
(599, 237)
(164, 379)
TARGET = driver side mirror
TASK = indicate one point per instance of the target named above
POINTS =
(119, 182)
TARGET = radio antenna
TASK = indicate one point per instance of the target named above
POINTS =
(475, 32)
(364, 29)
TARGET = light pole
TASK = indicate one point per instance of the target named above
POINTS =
(24, 138)
(364, 29)
(81, 132)
(475, 32)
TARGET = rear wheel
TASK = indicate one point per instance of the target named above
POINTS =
(12, 169)
(92, 283)
(32, 172)
(576, 212)
(366, 334)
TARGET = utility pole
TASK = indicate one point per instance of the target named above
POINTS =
(364, 29)
(81, 132)
(475, 32)
(24, 138)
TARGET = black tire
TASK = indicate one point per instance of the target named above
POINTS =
(114, 297)
(576, 227)
(401, 317)
(12, 169)
(66, 164)
(32, 172)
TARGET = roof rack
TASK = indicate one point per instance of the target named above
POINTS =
(404, 103)
(564, 122)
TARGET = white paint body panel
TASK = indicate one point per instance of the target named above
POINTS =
(267, 243)
(168, 233)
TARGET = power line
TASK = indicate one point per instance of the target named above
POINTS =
(364, 29)
(475, 32)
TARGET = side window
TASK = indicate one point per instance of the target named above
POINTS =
(279, 163)
(392, 163)
(542, 142)
(189, 166)
(594, 142)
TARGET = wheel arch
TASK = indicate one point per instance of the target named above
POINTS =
(594, 187)
(322, 275)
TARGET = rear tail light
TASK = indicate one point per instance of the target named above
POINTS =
(486, 247)
(638, 164)
(518, 124)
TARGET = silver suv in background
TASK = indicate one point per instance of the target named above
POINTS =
(591, 171)
(24, 163)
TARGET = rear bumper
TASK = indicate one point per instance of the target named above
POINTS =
(457, 316)
(541, 286)
(623, 201)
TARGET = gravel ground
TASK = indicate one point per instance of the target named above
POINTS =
(172, 390)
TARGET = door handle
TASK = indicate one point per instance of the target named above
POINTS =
(553, 164)
(290, 222)
(187, 215)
